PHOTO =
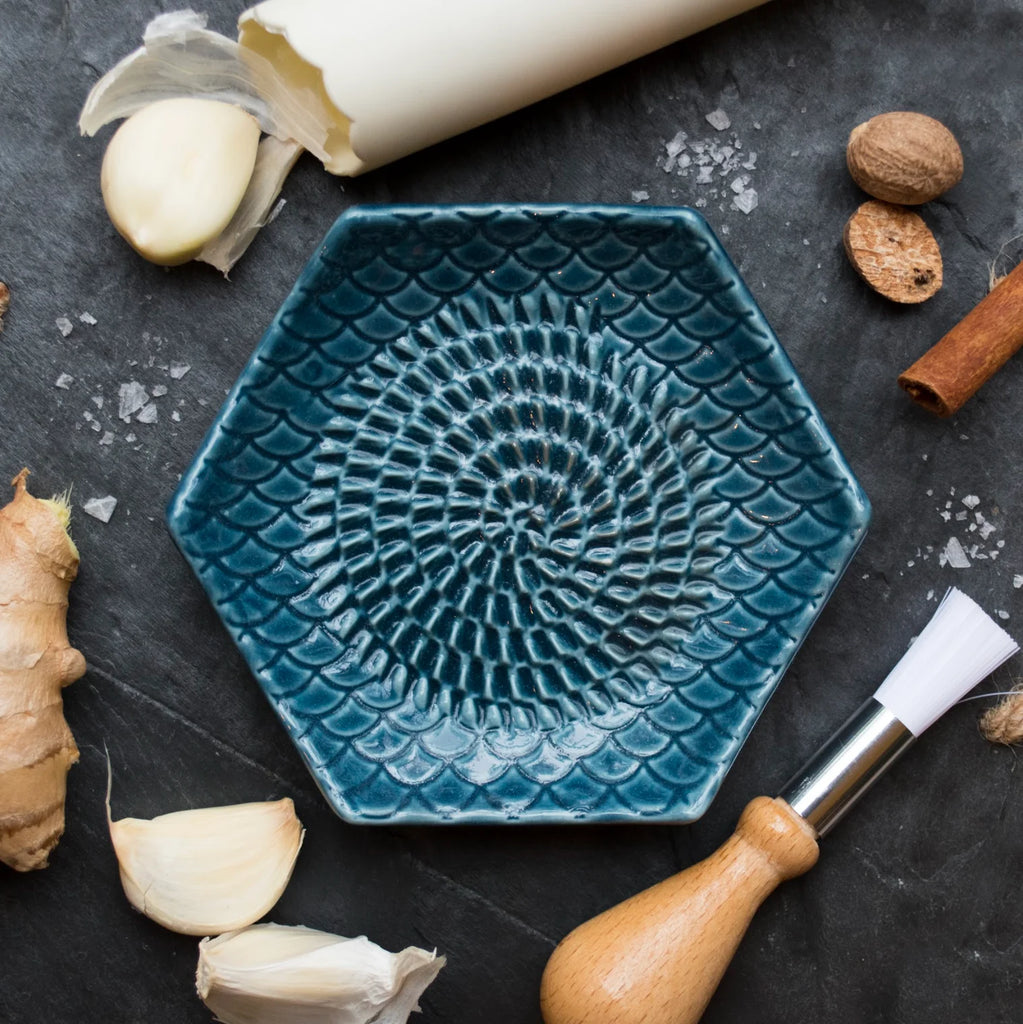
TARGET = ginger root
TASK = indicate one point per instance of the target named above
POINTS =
(38, 562)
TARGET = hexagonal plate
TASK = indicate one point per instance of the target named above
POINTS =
(519, 514)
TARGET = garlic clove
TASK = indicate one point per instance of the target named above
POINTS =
(174, 175)
(210, 870)
(279, 974)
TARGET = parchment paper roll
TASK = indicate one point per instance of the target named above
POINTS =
(396, 76)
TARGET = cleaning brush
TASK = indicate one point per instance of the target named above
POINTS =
(658, 957)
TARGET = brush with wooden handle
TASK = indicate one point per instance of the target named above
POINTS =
(658, 957)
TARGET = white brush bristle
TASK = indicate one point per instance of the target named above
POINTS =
(956, 650)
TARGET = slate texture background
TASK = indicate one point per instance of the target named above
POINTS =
(912, 914)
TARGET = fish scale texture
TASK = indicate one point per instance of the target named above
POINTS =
(519, 514)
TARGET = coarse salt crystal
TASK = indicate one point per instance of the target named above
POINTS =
(954, 555)
(64, 325)
(1017, 581)
(640, 195)
(178, 370)
(747, 202)
(148, 414)
(100, 508)
(65, 380)
(719, 120)
(88, 318)
(131, 398)
(159, 391)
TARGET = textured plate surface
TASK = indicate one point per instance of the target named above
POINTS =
(519, 513)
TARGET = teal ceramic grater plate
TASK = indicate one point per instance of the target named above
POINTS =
(519, 513)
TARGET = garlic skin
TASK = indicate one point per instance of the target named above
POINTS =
(209, 870)
(279, 974)
(175, 173)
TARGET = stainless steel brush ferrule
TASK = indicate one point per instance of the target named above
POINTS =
(846, 766)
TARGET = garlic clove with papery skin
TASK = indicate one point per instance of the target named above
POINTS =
(175, 172)
(280, 974)
(209, 870)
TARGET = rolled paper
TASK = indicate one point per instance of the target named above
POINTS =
(395, 76)
(951, 372)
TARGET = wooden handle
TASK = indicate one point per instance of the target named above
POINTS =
(658, 957)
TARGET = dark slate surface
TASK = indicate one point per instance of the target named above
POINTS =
(913, 913)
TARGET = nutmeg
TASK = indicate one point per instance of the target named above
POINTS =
(894, 251)
(903, 157)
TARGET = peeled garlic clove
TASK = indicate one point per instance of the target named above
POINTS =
(278, 974)
(210, 870)
(175, 172)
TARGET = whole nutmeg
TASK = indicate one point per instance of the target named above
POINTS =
(904, 158)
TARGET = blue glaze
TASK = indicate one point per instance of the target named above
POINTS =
(519, 514)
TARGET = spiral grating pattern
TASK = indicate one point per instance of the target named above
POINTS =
(514, 517)
(519, 514)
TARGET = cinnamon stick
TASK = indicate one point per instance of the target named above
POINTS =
(951, 372)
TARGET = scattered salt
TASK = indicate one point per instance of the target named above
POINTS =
(971, 501)
(747, 202)
(954, 555)
(64, 325)
(107, 438)
(1001, 614)
(719, 120)
(65, 380)
(178, 370)
(131, 398)
(1017, 581)
(97, 400)
(88, 318)
(159, 391)
(148, 414)
(640, 195)
(176, 416)
(100, 508)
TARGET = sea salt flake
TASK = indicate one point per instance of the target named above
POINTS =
(1017, 581)
(107, 438)
(130, 437)
(178, 370)
(719, 120)
(739, 184)
(676, 144)
(149, 414)
(705, 176)
(640, 195)
(159, 391)
(64, 381)
(954, 555)
(747, 202)
(131, 398)
(64, 325)
(100, 508)
(88, 318)
(176, 416)
(1002, 614)
(971, 501)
